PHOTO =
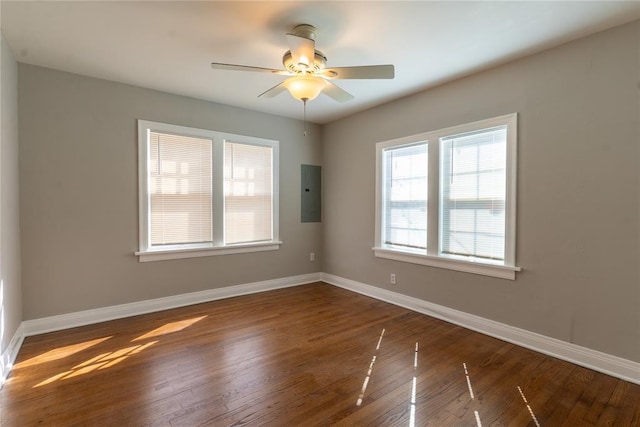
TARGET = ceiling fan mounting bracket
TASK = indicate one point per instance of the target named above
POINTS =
(305, 30)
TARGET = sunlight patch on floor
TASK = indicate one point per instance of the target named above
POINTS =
(60, 353)
(103, 361)
(169, 328)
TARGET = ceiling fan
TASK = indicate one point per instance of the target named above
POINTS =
(306, 68)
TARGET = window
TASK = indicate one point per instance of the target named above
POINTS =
(205, 193)
(447, 198)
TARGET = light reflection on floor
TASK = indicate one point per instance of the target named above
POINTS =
(475, 412)
(412, 404)
(533, 416)
(366, 379)
(466, 374)
(479, 424)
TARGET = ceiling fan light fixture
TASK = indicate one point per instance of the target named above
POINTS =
(305, 88)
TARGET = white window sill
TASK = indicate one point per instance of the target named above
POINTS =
(179, 253)
(500, 271)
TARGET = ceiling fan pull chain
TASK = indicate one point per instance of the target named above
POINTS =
(304, 116)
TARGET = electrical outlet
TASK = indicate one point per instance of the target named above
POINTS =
(312, 256)
(393, 278)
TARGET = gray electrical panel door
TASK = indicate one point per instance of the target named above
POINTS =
(311, 201)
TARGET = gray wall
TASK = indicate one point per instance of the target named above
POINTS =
(78, 189)
(578, 192)
(11, 298)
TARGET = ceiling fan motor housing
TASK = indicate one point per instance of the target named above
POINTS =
(318, 65)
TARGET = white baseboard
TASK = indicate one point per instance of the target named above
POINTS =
(611, 365)
(87, 317)
(8, 356)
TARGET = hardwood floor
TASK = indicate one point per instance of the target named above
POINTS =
(302, 356)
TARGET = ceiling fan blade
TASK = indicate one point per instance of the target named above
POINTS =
(274, 91)
(336, 92)
(234, 67)
(361, 72)
(303, 50)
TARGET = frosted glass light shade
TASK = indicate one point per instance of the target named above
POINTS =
(305, 88)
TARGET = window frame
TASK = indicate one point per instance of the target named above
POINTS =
(146, 251)
(432, 257)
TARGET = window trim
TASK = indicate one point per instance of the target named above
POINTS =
(504, 270)
(217, 247)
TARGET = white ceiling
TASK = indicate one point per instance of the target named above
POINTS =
(169, 45)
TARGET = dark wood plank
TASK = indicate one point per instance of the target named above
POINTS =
(299, 356)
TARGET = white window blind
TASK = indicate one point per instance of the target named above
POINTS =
(405, 197)
(248, 193)
(473, 193)
(180, 170)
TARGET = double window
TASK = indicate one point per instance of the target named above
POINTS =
(205, 193)
(447, 198)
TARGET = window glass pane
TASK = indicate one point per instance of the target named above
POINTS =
(248, 197)
(472, 194)
(179, 189)
(405, 197)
